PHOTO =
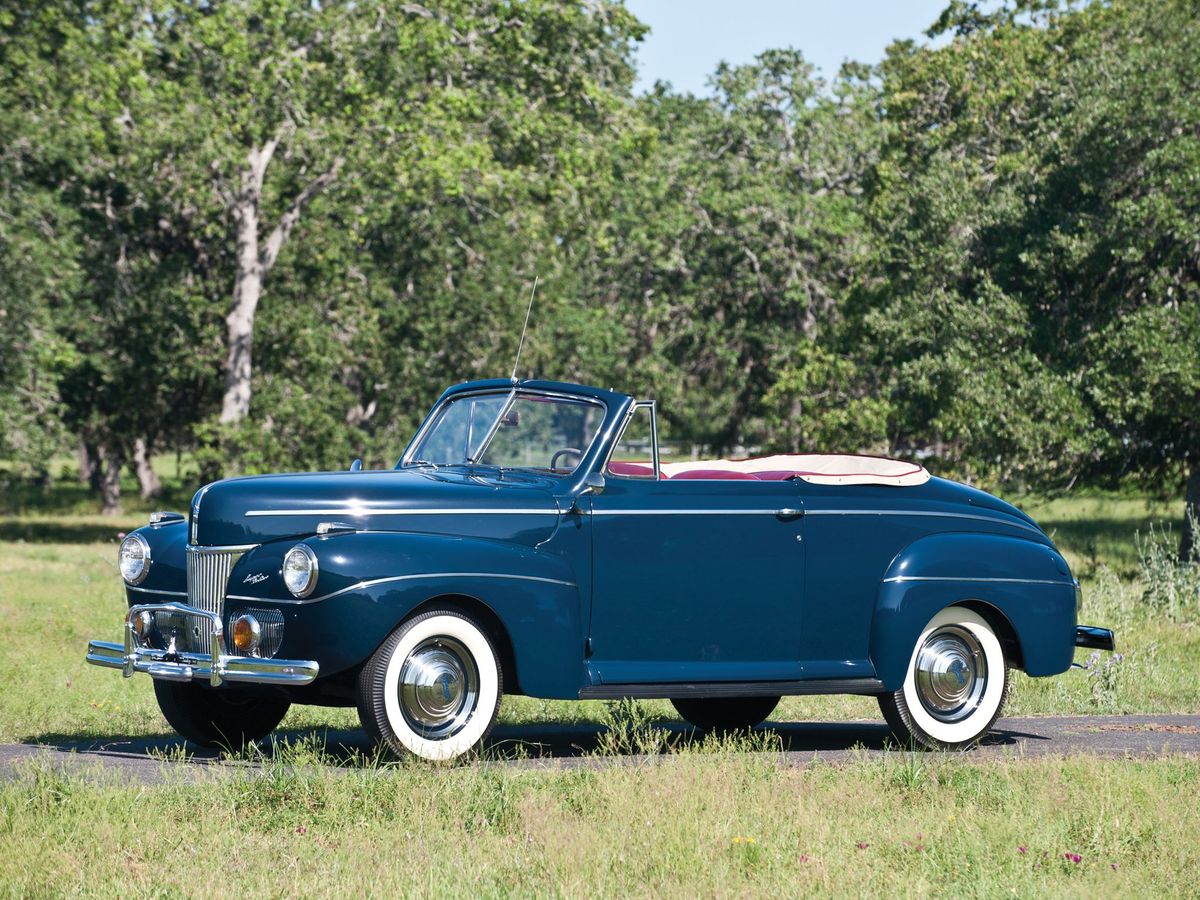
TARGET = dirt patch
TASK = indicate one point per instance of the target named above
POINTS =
(1148, 726)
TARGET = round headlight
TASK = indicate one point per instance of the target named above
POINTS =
(134, 559)
(300, 570)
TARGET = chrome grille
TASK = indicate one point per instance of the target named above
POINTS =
(208, 570)
(271, 622)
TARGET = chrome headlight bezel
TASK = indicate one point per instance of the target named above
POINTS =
(310, 567)
(134, 540)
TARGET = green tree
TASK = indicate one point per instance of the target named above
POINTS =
(736, 237)
(37, 243)
(1038, 225)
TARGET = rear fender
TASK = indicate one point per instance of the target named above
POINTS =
(1023, 587)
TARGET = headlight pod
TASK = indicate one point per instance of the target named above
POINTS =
(300, 570)
(133, 559)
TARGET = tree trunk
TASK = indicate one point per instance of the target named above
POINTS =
(89, 470)
(255, 259)
(148, 480)
(1189, 541)
(239, 323)
(110, 480)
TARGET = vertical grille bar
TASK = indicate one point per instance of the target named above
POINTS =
(208, 571)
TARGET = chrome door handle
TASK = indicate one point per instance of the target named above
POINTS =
(788, 513)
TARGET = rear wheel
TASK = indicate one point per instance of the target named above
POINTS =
(433, 688)
(955, 687)
(725, 713)
(218, 718)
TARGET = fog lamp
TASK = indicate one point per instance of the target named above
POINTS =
(247, 633)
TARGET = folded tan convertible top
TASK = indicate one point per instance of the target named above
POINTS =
(816, 468)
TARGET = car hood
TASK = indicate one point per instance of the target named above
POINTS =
(255, 510)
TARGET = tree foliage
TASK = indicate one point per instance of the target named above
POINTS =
(271, 233)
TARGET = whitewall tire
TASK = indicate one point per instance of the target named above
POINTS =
(433, 687)
(955, 685)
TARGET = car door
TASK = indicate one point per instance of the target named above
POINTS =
(695, 580)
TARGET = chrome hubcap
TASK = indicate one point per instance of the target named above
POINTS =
(439, 688)
(951, 674)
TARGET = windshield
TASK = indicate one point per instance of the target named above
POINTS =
(512, 430)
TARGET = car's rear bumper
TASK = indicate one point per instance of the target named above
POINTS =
(215, 667)
(1094, 638)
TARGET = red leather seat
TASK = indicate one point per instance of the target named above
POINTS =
(713, 475)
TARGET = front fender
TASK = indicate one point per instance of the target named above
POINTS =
(1027, 583)
(369, 582)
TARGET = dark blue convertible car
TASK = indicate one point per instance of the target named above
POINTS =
(531, 540)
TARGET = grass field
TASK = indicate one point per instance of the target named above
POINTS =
(714, 824)
(710, 819)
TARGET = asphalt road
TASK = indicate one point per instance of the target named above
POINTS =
(157, 759)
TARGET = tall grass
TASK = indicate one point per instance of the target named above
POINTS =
(1172, 585)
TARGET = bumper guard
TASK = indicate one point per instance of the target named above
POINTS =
(1094, 638)
(216, 666)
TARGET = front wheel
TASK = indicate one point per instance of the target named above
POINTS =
(725, 713)
(955, 686)
(211, 718)
(433, 688)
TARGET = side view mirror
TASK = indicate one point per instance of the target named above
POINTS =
(593, 484)
(356, 466)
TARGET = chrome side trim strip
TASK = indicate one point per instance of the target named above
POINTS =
(920, 512)
(360, 512)
(424, 576)
(897, 579)
(142, 590)
(685, 512)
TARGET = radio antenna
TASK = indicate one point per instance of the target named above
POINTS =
(525, 327)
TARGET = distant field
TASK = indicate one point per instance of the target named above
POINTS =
(715, 821)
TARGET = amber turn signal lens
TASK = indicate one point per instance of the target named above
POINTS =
(246, 633)
(141, 624)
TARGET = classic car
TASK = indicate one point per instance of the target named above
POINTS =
(531, 540)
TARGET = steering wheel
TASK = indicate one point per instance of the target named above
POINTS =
(558, 453)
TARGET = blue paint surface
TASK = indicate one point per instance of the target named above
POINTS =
(677, 581)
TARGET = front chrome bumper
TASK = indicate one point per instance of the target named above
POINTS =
(216, 667)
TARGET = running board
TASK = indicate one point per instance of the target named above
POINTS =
(669, 691)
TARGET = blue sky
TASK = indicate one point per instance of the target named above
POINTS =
(689, 37)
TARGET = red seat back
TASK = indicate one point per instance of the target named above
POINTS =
(712, 475)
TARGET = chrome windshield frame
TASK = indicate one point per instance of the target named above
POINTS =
(651, 405)
(513, 393)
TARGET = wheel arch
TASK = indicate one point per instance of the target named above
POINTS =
(486, 618)
(1010, 641)
(530, 600)
(1022, 588)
